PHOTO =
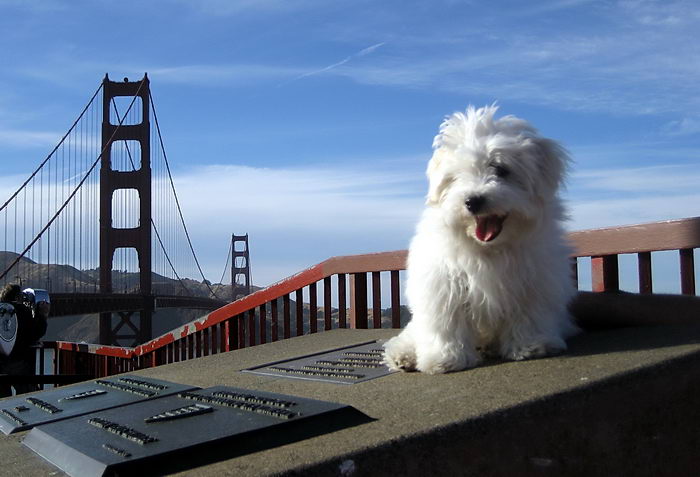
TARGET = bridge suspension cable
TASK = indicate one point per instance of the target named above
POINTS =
(67, 200)
(228, 260)
(51, 222)
(177, 201)
(153, 224)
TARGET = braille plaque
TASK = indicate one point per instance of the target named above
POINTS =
(349, 365)
(208, 424)
(24, 412)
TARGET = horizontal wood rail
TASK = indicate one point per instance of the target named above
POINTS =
(351, 296)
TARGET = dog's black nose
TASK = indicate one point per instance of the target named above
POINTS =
(475, 203)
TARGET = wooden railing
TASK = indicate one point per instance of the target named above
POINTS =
(605, 245)
(354, 284)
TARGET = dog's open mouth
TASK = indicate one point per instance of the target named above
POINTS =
(489, 226)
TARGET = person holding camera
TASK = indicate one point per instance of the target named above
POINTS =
(31, 326)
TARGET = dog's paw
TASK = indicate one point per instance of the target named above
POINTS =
(399, 355)
(437, 367)
(440, 363)
(534, 350)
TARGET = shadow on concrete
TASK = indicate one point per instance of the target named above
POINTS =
(589, 343)
(632, 339)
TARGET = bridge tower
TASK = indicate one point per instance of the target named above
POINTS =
(240, 267)
(111, 180)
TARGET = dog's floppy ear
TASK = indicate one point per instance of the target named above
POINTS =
(554, 161)
(438, 178)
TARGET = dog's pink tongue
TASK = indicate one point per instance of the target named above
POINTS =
(488, 227)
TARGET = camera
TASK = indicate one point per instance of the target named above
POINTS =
(37, 300)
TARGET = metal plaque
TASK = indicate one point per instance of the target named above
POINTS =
(209, 424)
(349, 365)
(24, 412)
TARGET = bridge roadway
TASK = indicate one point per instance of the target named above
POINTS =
(63, 304)
(619, 402)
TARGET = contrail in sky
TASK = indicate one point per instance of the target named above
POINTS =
(363, 52)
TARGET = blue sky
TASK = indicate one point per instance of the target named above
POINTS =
(308, 123)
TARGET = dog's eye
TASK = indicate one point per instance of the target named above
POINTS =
(500, 171)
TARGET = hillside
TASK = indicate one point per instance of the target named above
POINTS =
(65, 278)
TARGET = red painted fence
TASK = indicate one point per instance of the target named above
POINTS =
(354, 284)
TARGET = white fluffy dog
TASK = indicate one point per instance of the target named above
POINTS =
(488, 268)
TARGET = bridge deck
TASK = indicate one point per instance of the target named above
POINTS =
(617, 399)
(63, 304)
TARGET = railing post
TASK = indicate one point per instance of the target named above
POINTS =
(313, 308)
(604, 273)
(358, 300)
(262, 312)
(687, 271)
(251, 327)
(240, 327)
(327, 303)
(395, 300)
(274, 318)
(214, 339)
(206, 342)
(286, 315)
(39, 352)
(228, 333)
(376, 300)
(298, 296)
(644, 265)
(342, 303)
(190, 346)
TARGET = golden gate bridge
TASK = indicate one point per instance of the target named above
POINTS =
(98, 223)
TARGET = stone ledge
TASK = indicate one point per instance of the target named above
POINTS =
(618, 402)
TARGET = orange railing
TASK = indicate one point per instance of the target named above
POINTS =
(354, 283)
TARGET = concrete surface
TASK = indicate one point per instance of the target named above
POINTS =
(619, 402)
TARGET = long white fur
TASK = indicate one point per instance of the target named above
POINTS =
(507, 296)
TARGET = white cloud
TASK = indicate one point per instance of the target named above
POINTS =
(642, 209)
(541, 8)
(37, 6)
(667, 13)
(602, 66)
(25, 138)
(300, 199)
(236, 7)
(620, 196)
(668, 179)
(686, 126)
(232, 74)
(297, 217)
